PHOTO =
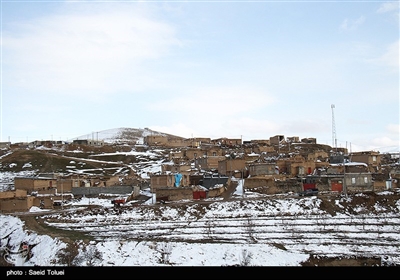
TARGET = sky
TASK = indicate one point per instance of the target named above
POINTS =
(238, 69)
(313, 231)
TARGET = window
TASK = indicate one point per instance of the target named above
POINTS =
(353, 181)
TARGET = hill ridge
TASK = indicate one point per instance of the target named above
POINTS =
(122, 134)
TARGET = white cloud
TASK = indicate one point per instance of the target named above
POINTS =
(96, 52)
(390, 57)
(249, 128)
(217, 101)
(226, 110)
(352, 24)
(392, 9)
(387, 141)
(383, 142)
(393, 128)
(388, 7)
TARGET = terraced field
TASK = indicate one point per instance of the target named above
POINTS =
(304, 225)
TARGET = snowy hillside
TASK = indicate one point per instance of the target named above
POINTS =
(120, 135)
(262, 231)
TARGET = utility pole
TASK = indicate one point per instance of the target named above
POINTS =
(334, 140)
(344, 177)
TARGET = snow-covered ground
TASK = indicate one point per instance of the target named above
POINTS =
(262, 232)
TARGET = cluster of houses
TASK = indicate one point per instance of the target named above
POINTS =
(276, 165)
(200, 168)
(49, 191)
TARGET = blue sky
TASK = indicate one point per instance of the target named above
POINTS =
(239, 69)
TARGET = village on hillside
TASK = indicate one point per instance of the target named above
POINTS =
(201, 168)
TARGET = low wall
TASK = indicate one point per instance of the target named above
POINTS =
(173, 194)
(80, 191)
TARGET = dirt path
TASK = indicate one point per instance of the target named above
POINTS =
(34, 222)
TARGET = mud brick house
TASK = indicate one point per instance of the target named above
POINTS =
(348, 167)
(207, 151)
(371, 158)
(177, 168)
(175, 155)
(356, 167)
(13, 194)
(229, 167)
(276, 140)
(293, 139)
(257, 169)
(379, 181)
(260, 142)
(5, 145)
(273, 184)
(164, 141)
(196, 142)
(395, 176)
(295, 166)
(263, 149)
(358, 182)
(16, 203)
(35, 184)
(105, 181)
(158, 181)
(317, 155)
(89, 142)
(18, 200)
(194, 153)
(208, 163)
(251, 157)
(350, 182)
(44, 185)
(45, 143)
(227, 142)
(300, 168)
(309, 140)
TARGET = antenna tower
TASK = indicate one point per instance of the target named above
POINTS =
(334, 140)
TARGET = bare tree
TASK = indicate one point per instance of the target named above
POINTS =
(165, 250)
(89, 254)
(209, 228)
(66, 255)
(246, 258)
(249, 227)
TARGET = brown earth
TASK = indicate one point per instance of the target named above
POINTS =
(342, 261)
